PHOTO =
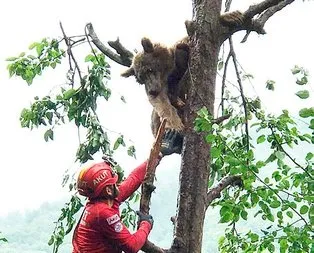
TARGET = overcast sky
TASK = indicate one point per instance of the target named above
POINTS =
(31, 169)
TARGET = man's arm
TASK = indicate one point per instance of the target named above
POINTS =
(119, 236)
(171, 143)
(132, 182)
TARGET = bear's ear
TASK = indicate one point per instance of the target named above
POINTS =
(147, 45)
(129, 72)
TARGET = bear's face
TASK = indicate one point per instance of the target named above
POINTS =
(151, 67)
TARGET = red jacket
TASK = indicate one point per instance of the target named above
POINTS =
(101, 230)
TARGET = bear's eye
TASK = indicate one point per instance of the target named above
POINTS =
(150, 71)
(140, 79)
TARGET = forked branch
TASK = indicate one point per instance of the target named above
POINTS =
(122, 55)
(264, 9)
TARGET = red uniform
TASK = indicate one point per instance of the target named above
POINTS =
(101, 230)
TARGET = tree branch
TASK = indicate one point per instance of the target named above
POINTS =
(123, 56)
(148, 185)
(272, 10)
(266, 8)
(71, 56)
(261, 7)
(215, 192)
(269, 7)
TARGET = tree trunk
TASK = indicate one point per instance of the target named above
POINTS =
(195, 158)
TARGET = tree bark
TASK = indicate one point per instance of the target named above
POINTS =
(192, 197)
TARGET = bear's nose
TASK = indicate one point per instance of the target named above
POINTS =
(153, 93)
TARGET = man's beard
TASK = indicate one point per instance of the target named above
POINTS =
(115, 191)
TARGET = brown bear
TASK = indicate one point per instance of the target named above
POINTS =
(161, 69)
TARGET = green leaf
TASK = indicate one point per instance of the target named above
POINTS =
(11, 59)
(271, 247)
(296, 70)
(261, 139)
(48, 135)
(118, 142)
(210, 138)
(283, 245)
(303, 94)
(39, 49)
(311, 215)
(312, 124)
(271, 158)
(233, 161)
(304, 209)
(280, 155)
(279, 215)
(254, 237)
(244, 214)
(306, 112)
(309, 156)
(123, 99)
(228, 216)
(53, 65)
(131, 151)
(270, 85)
(275, 204)
(220, 64)
(51, 241)
(3, 239)
(89, 57)
(33, 45)
(270, 217)
(215, 152)
(254, 198)
(289, 214)
(68, 94)
(302, 81)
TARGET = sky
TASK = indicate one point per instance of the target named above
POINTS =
(32, 170)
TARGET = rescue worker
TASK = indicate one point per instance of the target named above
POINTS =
(100, 229)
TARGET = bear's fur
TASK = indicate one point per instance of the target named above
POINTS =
(161, 69)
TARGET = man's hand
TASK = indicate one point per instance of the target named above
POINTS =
(144, 217)
(171, 142)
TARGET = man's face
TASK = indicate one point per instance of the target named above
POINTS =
(112, 191)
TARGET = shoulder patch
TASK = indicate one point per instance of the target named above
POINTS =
(113, 219)
(118, 227)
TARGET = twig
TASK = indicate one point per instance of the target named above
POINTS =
(70, 53)
(221, 118)
(224, 77)
(215, 192)
(232, 52)
(287, 154)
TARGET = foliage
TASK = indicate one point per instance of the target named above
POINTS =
(45, 53)
(67, 214)
(76, 101)
(277, 189)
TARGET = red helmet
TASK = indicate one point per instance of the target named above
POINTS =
(92, 180)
